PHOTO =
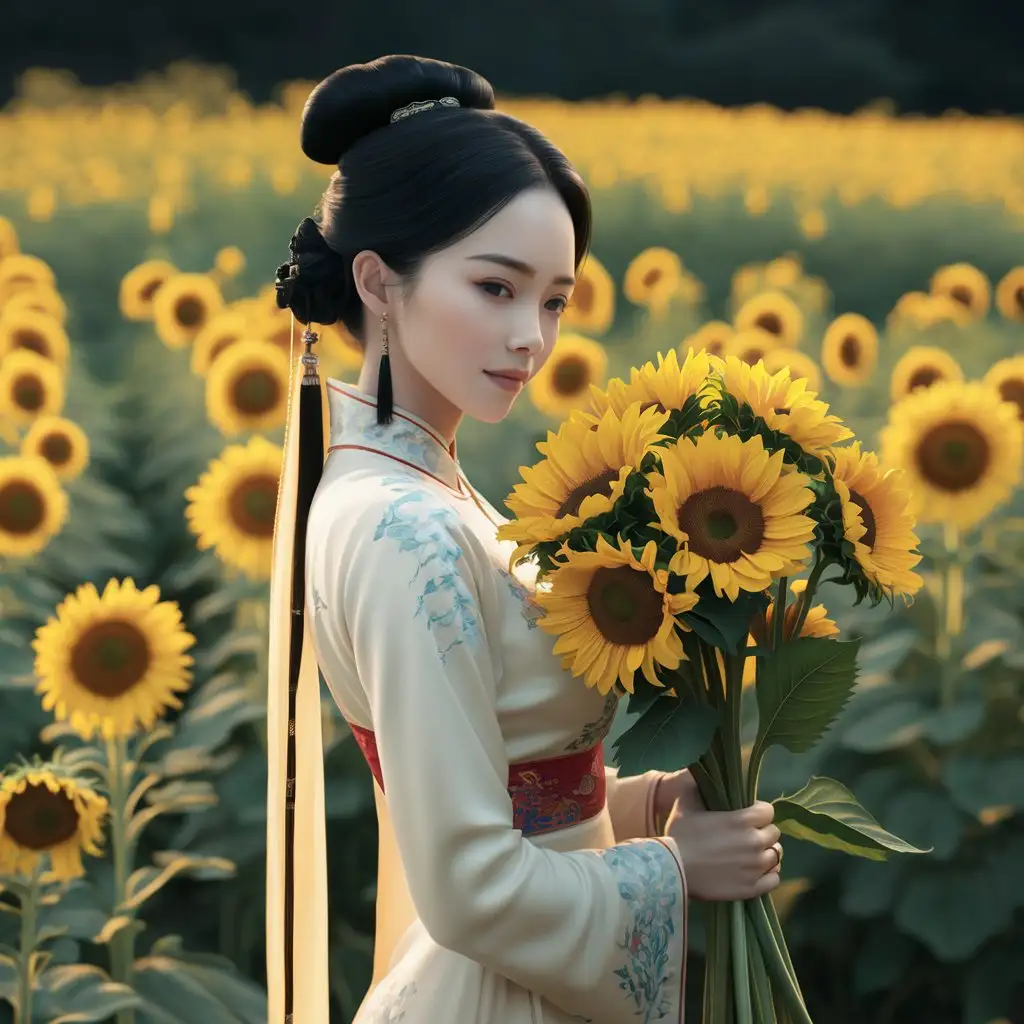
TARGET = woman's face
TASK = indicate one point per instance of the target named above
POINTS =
(488, 304)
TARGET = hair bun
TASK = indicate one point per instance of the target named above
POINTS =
(313, 284)
(360, 98)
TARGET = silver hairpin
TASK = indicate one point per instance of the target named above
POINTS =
(420, 105)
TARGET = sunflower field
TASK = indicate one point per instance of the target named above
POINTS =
(143, 392)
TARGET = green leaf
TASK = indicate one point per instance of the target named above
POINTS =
(955, 723)
(882, 655)
(723, 623)
(147, 881)
(802, 689)
(927, 816)
(211, 719)
(881, 960)
(81, 994)
(990, 984)
(671, 734)
(886, 727)
(77, 910)
(243, 997)
(826, 813)
(168, 986)
(976, 782)
(113, 926)
(8, 977)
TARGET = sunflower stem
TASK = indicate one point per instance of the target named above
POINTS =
(122, 943)
(779, 615)
(785, 985)
(740, 964)
(951, 621)
(26, 971)
(807, 598)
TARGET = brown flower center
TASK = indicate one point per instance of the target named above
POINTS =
(21, 507)
(753, 354)
(600, 484)
(571, 375)
(962, 294)
(221, 344)
(849, 351)
(256, 392)
(924, 377)
(721, 524)
(583, 296)
(253, 504)
(715, 347)
(190, 312)
(867, 517)
(770, 322)
(150, 288)
(29, 392)
(953, 456)
(652, 277)
(1013, 391)
(40, 820)
(110, 658)
(31, 340)
(1019, 296)
(282, 339)
(56, 449)
(624, 605)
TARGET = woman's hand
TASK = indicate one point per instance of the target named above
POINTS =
(673, 786)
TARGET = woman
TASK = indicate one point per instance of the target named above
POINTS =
(519, 879)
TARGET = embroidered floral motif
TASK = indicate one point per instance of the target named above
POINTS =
(649, 889)
(395, 1003)
(595, 731)
(424, 529)
(568, 790)
(528, 608)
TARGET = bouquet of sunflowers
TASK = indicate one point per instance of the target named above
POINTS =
(670, 525)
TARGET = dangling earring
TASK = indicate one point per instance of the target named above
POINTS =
(384, 389)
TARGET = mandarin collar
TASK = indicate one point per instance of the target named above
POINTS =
(407, 437)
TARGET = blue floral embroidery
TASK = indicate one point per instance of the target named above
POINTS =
(424, 529)
(649, 888)
(596, 730)
(529, 609)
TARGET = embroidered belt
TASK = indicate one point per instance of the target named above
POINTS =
(548, 793)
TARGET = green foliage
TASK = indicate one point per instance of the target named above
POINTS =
(672, 733)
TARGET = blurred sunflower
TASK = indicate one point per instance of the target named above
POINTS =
(783, 271)
(785, 405)
(30, 386)
(667, 386)
(232, 507)
(799, 364)
(736, 511)
(41, 299)
(746, 281)
(9, 244)
(229, 261)
(612, 614)
(774, 312)
(961, 451)
(1010, 295)
(340, 345)
(877, 520)
(711, 337)
(45, 811)
(182, 307)
(222, 331)
(751, 345)
(62, 443)
(849, 350)
(964, 284)
(276, 329)
(563, 382)
(921, 367)
(592, 307)
(247, 388)
(583, 473)
(1007, 378)
(33, 505)
(21, 272)
(652, 277)
(139, 287)
(36, 332)
(112, 664)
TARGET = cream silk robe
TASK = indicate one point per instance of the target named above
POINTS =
(424, 637)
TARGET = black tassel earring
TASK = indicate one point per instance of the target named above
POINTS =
(385, 394)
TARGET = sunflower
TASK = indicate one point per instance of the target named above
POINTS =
(229, 261)
(592, 307)
(9, 244)
(964, 284)
(247, 388)
(774, 312)
(41, 299)
(112, 664)
(849, 350)
(183, 305)
(563, 382)
(1007, 378)
(751, 345)
(784, 404)
(799, 365)
(46, 811)
(62, 443)
(922, 367)
(29, 329)
(735, 510)
(667, 386)
(30, 386)
(139, 287)
(783, 271)
(612, 614)
(1010, 295)
(960, 450)
(746, 281)
(583, 473)
(711, 337)
(340, 345)
(222, 331)
(33, 505)
(232, 507)
(877, 519)
(652, 277)
(20, 272)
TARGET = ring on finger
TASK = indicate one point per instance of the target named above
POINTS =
(777, 847)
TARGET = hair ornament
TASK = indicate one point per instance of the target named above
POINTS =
(420, 105)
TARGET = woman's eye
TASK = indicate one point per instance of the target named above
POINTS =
(495, 284)
(562, 305)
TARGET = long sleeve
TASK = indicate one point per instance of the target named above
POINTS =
(631, 803)
(600, 933)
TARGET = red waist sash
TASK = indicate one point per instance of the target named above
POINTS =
(548, 793)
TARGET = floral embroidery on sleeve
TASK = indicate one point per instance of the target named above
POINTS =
(529, 609)
(395, 1002)
(649, 889)
(595, 731)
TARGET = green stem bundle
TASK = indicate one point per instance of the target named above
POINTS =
(26, 961)
(122, 943)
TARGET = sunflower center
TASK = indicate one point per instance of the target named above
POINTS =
(253, 504)
(31, 340)
(190, 312)
(29, 393)
(221, 344)
(770, 322)
(583, 296)
(721, 524)
(925, 377)
(21, 507)
(753, 355)
(624, 605)
(962, 294)
(56, 449)
(110, 658)
(652, 277)
(1013, 391)
(256, 392)
(282, 339)
(40, 820)
(570, 376)
(149, 289)
(849, 351)
(600, 484)
(868, 518)
(715, 347)
(953, 456)
(1019, 296)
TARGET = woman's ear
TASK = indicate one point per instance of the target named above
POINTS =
(372, 275)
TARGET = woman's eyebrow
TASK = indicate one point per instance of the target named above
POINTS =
(513, 264)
